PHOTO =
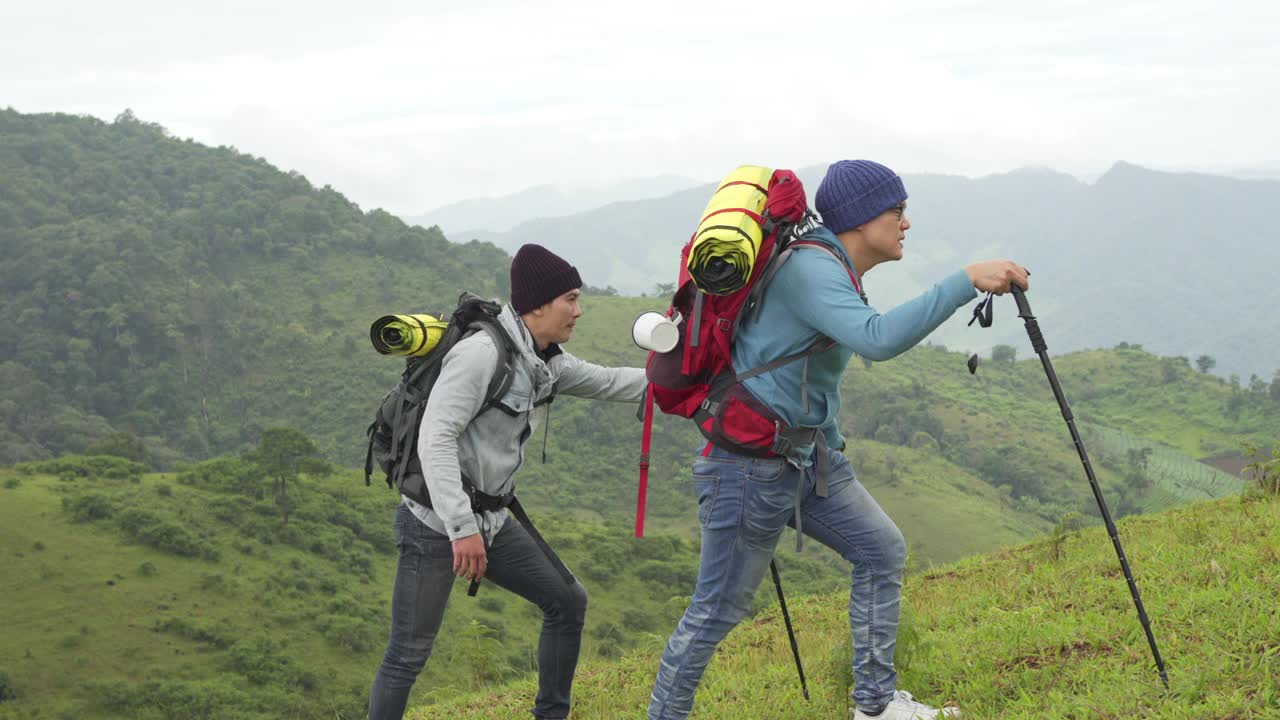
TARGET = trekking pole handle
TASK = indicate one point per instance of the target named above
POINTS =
(1033, 327)
(1024, 307)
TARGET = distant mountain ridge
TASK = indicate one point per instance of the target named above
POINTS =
(1181, 262)
(497, 214)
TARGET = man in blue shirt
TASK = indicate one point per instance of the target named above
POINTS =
(744, 503)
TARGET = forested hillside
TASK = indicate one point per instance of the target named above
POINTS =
(190, 295)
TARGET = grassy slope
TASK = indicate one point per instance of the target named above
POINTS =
(1016, 635)
(79, 609)
(75, 596)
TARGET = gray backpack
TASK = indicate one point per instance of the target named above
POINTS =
(394, 431)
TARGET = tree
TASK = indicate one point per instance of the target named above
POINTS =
(1004, 353)
(662, 289)
(282, 454)
(1265, 470)
(1204, 363)
(1275, 387)
(1139, 458)
(121, 444)
(1257, 386)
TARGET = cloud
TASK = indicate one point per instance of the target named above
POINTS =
(410, 106)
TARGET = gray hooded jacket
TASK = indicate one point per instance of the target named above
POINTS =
(453, 441)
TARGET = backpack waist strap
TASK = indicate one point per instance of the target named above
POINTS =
(483, 501)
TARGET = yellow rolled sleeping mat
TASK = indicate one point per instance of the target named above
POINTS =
(406, 335)
(727, 242)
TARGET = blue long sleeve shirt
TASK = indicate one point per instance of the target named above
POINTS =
(812, 296)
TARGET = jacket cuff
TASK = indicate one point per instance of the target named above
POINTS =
(959, 288)
(460, 526)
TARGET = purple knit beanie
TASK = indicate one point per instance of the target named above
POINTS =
(855, 192)
(539, 276)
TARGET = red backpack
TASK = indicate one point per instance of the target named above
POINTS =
(697, 379)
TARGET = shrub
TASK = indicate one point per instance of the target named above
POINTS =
(924, 441)
(7, 691)
(89, 506)
(260, 661)
(192, 700)
(147, 569)
(216, 635)
(121, 444)
(351, 633)
(227, 474)
(72, 467)
(636, 620)
(1004, 354)
(217, 583)
(161, 534)
(11, 483)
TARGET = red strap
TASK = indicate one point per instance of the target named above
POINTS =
(742, 182)
(645, 440)
(754, 216)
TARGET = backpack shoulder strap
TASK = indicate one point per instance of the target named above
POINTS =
(502, 376)
(853, 277)
(752, 305)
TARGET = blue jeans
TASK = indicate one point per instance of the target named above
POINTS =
(424, 578)
(744, 504)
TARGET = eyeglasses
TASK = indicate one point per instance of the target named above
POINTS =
(898, 210)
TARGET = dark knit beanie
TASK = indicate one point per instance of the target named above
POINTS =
(539, 276)
(855, 192)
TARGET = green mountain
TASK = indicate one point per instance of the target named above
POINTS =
(192, 295)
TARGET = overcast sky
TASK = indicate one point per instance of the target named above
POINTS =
(405, 106)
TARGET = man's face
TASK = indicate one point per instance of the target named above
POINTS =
(886, 233)
(559, 316)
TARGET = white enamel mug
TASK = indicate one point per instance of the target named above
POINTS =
(656, 332)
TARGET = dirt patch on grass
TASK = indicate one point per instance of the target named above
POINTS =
(1231, 463)
(1069, 651)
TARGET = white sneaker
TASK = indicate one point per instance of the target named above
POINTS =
(904, 707)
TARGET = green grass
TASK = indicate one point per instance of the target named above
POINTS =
(84, 610)
(1018, 635)
(268, 618)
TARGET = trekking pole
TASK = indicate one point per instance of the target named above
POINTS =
(791, 633)
(1037, 342)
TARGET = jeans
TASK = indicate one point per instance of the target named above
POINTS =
(424, 578)
(743, 505)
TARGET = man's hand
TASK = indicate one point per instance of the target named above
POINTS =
(469, 557)
(997, 276)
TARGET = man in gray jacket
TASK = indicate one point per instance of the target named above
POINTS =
(457, 440)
